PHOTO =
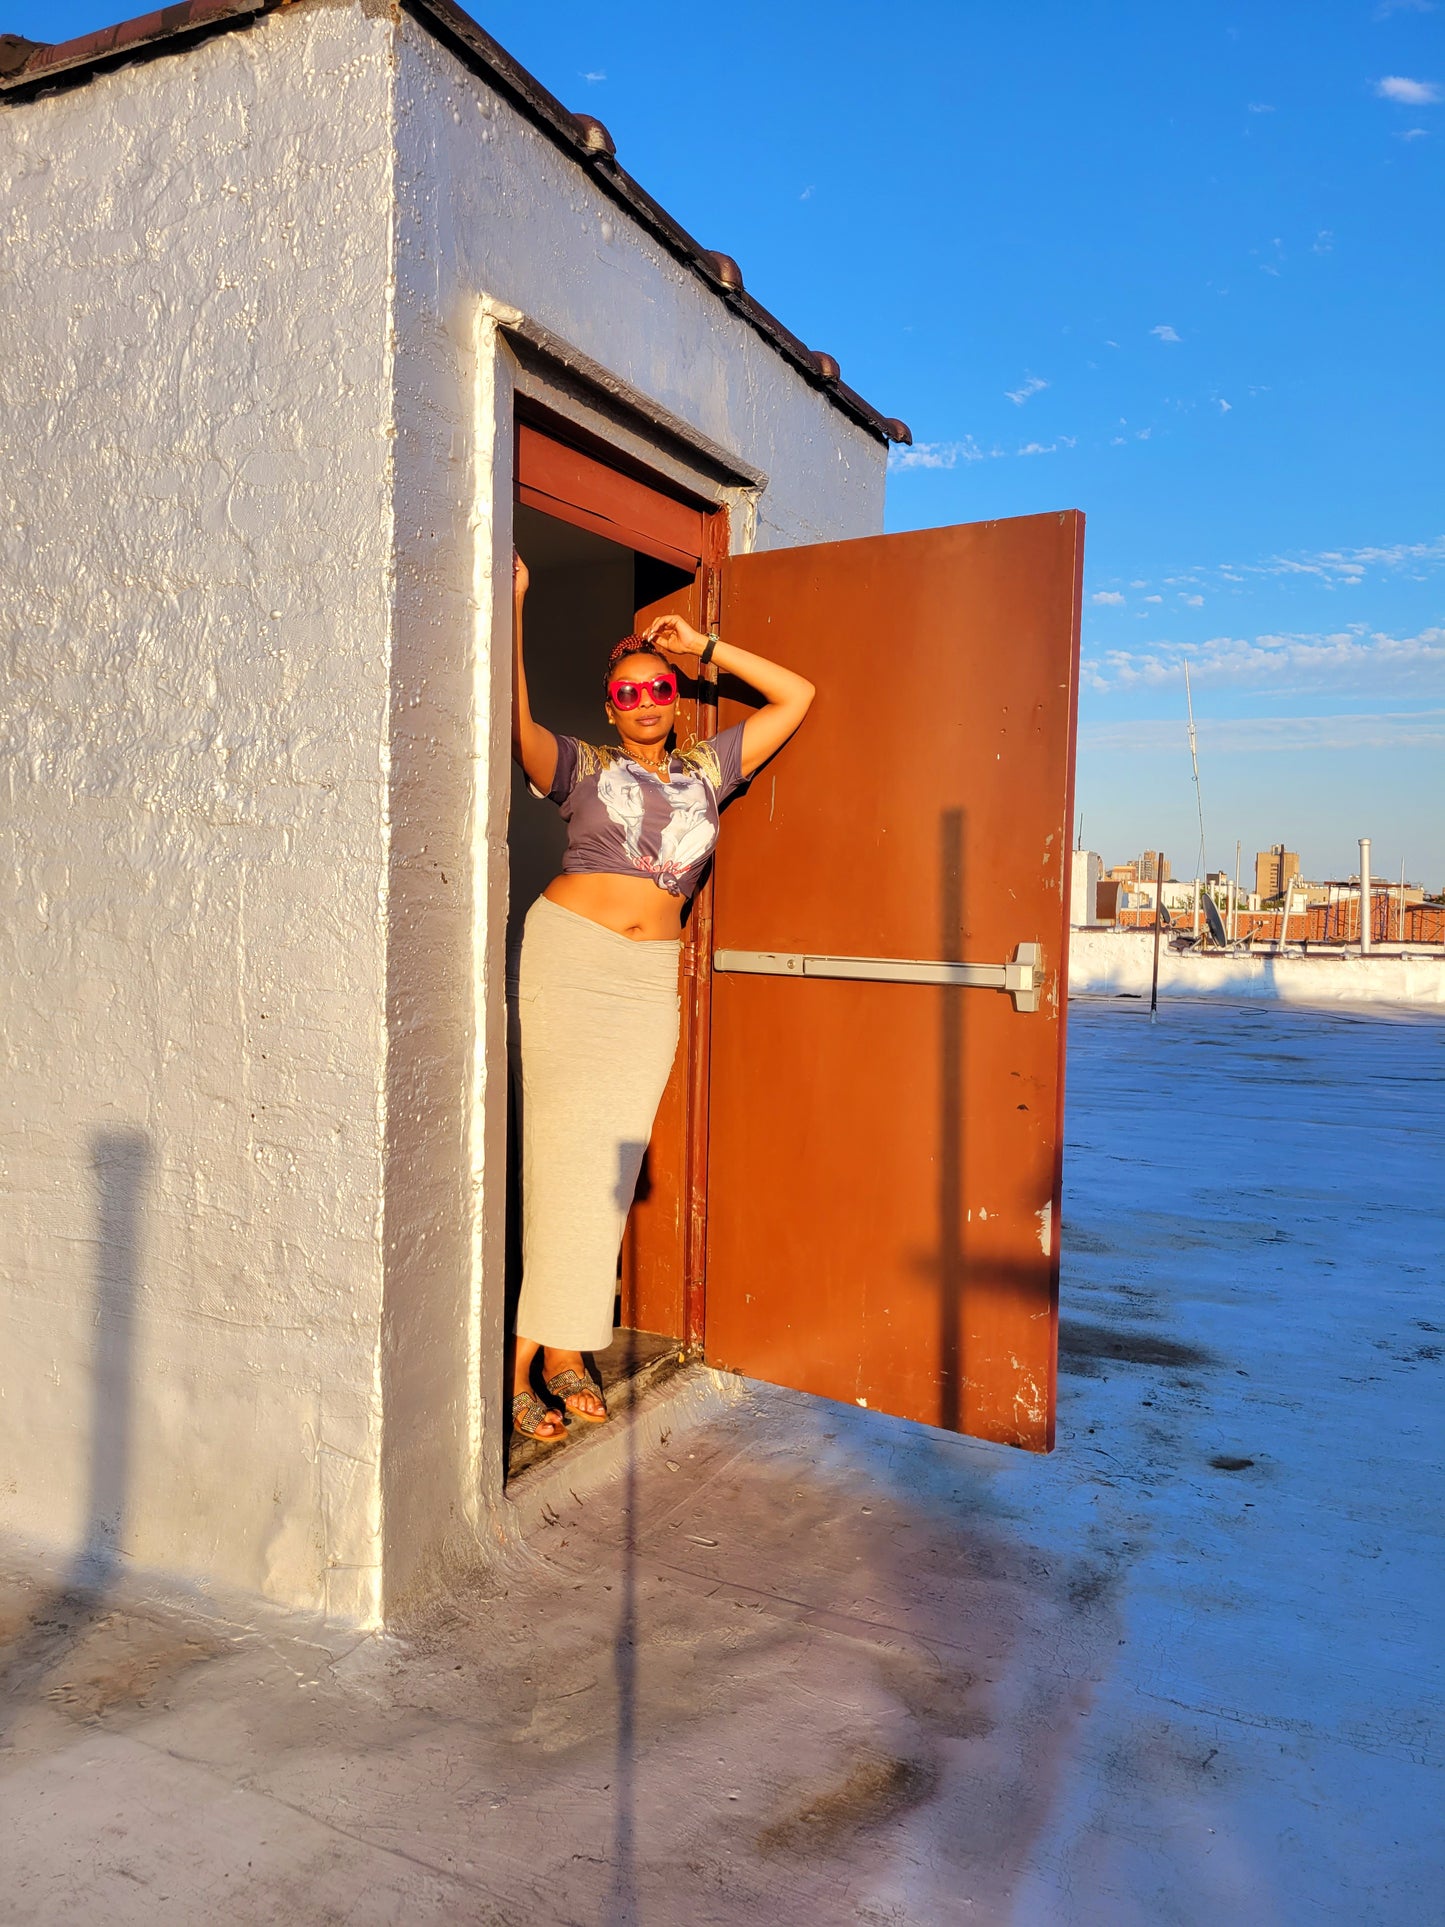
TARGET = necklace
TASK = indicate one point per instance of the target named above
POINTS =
(655, 769)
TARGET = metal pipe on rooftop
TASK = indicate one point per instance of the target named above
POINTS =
(1364, 896)
(1234, 896)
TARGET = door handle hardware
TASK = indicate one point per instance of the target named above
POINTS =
(1023, 978)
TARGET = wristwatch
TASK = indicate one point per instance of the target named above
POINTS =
(711, 644)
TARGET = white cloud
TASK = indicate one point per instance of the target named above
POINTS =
(1110, 597)
(1193, 601)
(1338, 566)
(1411, 93)
(1224, 406)
(940, 454)
(959, 453)
(1153, 598)
(592, 79)
(1324, 241)
(1414, 134)
(807, 194)
(1351, 658)
(1164, 332)
(1332, 568)
(1256, 735)
(1260, 107)
(1032, 385)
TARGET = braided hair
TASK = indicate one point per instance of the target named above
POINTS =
(632, 646)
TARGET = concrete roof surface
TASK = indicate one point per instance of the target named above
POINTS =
(28, 68)
(793, 1661)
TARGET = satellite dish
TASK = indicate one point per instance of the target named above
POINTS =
(1213, 919)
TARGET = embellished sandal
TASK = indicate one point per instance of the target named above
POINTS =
(528, 1413)
(572, 1384)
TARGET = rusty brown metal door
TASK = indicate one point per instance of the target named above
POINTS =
(889, 986)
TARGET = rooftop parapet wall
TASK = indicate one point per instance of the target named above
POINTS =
(1119, 963)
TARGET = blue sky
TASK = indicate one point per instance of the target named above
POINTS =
(1178, 267)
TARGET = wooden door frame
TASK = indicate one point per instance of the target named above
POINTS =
(562, 470)
(697, 969)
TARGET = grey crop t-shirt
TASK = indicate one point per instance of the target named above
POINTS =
(626, 820)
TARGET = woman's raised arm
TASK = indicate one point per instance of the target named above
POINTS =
(788, 695)
(534, 747)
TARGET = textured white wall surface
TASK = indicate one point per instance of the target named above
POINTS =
(487, 202)
(256, 493)
(486, 205)
(194, 390)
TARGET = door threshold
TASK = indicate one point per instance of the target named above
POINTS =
(656, 1420)
(631, 1366)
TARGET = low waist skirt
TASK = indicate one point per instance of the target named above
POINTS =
(594, 1021)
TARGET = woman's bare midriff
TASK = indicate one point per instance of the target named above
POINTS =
(631, 906)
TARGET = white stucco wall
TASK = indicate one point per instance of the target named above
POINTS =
(257, 497)
(487, 206)
(486, 202)
(194, 388)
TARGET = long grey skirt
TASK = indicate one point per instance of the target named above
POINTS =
(594, 1030)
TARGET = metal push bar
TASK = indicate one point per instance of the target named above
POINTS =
(1022, 979)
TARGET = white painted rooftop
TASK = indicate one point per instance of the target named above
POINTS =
(780, 1660)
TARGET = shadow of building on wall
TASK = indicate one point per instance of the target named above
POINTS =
(119, 1163)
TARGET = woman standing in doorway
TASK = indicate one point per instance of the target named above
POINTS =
(596, 1004)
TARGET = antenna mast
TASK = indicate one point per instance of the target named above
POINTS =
(1194, 758)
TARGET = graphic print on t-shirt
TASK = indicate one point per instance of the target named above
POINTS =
(686, 837)
(690, 832)
(620, 794)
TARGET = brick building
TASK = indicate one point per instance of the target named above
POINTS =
(1274, 870)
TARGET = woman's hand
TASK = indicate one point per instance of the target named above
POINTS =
(521, 579)
(675, 635)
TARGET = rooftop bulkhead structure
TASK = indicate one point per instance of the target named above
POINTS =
(312, 310)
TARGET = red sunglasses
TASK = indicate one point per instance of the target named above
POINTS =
(627, 695)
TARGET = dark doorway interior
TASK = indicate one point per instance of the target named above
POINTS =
(583, 597)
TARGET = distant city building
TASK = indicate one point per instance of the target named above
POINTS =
(1146, 867)
(1177, 896)
(1274, 870)
(1084, 889)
